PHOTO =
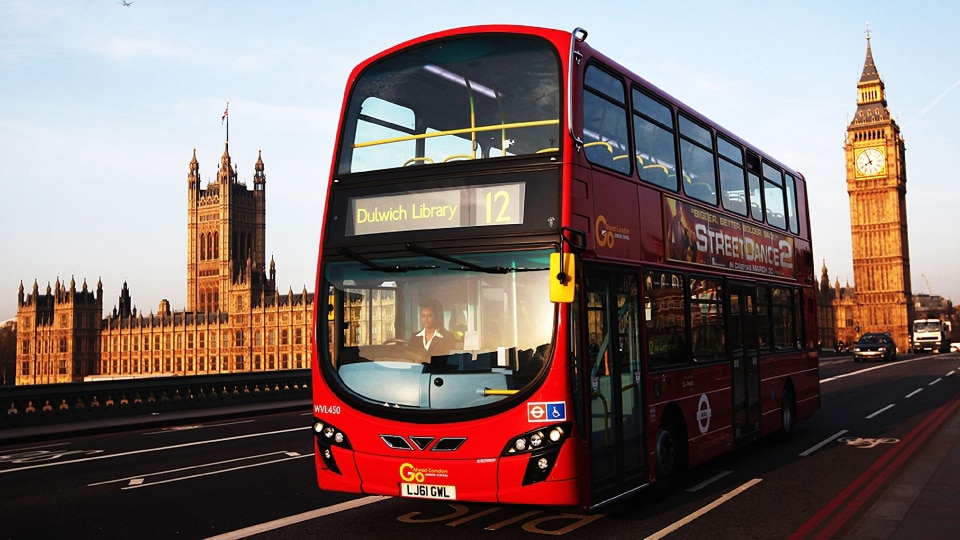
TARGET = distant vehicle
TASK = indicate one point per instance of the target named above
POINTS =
(954, 347)
(931, 335)
(873, 345)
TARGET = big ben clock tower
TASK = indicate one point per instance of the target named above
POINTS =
(877, 185)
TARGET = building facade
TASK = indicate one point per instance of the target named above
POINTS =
(58, 333)
(235, 319)
(876, 176)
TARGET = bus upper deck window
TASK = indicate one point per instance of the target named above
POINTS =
(459, 99)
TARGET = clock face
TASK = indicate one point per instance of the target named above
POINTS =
(870, 161)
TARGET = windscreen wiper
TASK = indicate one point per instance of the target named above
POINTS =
(395, 269)
(466, 265)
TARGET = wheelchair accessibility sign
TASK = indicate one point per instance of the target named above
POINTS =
(546, 411)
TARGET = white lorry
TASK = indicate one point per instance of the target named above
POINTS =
(931, 335)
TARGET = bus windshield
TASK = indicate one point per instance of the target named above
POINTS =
(429, 333)
(468, 98)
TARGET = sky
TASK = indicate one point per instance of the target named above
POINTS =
(102, 106)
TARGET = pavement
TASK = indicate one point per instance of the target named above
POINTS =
(923, 500)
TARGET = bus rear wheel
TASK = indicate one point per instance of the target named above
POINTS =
(788, 414)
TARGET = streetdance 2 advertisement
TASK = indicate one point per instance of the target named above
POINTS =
(697, 235)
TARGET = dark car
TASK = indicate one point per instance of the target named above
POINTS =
(873, 346)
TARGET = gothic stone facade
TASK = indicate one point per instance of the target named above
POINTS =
(877, 186)
(235, 320)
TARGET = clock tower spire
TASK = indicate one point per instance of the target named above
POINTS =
(877, 187)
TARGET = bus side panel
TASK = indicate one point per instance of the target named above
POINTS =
(704, 398)
(807, 386)
(709, 425)
(651, 226)
(802, 372)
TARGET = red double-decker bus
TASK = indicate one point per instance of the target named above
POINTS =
(542, 280)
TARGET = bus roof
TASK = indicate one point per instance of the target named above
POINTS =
(561, 40)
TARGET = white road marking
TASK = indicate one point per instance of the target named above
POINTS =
(862, 371)
(883, 410)
(211, 473)
(823, 443)
(299, 518)
(690, 518)
(201, 466)
(188, 427)
(151, 450)
(708, 481)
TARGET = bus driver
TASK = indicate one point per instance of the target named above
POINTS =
(434, 339)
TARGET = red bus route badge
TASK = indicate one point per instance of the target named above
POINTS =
(546, 411)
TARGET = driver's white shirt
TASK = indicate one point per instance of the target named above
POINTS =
(427, 342)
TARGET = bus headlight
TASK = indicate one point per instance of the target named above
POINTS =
(329, 436)
(542, 446)
(536, 440)
(531, 441)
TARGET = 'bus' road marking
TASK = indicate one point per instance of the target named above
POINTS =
(150, 450)
(299, 518)
(690, 518)
(823, 443)
(883, 410)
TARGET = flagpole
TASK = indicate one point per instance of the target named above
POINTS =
(226, 117)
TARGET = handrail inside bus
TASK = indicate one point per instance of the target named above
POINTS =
(579, 35)
(498, 392)
(417, 160)
(492, 127)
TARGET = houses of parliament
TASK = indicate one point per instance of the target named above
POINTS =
(235, 319)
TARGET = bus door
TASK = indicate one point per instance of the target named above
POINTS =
(745, 355)
(613, 350)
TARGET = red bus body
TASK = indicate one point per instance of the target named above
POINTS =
(692, 328)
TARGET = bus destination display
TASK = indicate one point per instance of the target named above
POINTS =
(475, 206)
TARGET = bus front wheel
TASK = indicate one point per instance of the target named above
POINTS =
(670, 454)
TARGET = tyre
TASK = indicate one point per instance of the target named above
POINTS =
(670, 455)
(788, 414)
